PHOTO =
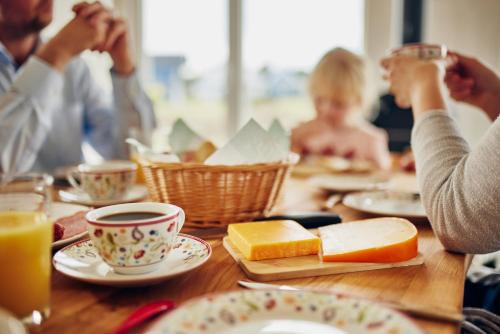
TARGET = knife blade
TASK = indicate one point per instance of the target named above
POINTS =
(417, 311)
(332, 201)
(265, 286)
(311, 219)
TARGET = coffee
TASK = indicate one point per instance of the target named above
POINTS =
(135, 238)
(128, 216)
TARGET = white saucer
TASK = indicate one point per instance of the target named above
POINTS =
(314, 165)
(387, 203)
(9, 324)
(82, 262)
(60, 210)
(136, 193)
(350, 182)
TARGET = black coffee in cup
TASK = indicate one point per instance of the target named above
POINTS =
(130, 216)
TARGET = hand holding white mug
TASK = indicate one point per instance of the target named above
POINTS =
(415, 83)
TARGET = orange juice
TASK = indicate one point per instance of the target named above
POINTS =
(25, 246)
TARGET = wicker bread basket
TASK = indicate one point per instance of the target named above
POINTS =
(214, 196)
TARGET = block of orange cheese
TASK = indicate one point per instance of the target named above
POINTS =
(273, 239)
(371, 240)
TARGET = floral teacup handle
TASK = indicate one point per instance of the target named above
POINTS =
(180, 221)
(72, 180)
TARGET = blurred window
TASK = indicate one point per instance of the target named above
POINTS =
(282, 42)
(185, 62)
(186, 45)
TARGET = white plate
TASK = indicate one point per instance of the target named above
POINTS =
(350, 182)
(10, 324)
(387, 203)
(280, 312)
(136, 193)
(60, 210)
(314, 165)
(82, 262)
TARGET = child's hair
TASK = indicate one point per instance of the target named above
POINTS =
(340, 75)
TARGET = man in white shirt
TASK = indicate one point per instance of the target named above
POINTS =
(49, 103)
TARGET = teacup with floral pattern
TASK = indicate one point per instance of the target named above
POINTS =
(135, 246)
(106, 181)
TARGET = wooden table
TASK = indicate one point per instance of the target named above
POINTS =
(438, 284)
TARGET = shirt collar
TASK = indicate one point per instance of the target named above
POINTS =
(5, 56)
(7, 59)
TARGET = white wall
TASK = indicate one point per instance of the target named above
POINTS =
(383, 19)
(471, 27)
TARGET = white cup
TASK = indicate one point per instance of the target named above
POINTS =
(422, 51)
(107, 181)
(132, 246)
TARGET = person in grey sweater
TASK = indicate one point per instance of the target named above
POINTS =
(460, 186)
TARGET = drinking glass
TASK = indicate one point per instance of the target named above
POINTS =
(25, 245)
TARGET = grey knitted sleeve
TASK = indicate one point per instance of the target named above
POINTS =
(460, 188)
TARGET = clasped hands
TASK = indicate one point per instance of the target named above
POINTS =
(93, 28)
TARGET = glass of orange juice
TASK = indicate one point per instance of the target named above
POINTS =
(25, 246)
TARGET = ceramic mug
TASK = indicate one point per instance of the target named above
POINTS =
(131, 244)
(422, 51)
(106, 181)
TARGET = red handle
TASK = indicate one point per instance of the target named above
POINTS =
(144, 313)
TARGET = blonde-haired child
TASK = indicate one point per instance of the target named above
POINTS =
(338, 88)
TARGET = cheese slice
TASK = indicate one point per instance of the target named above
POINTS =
(273, 239)
(371, 240)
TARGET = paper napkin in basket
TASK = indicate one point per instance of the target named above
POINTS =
(161, 158)
(251, 145)
(280, 135)
(188, 145)
(182, 138)
(147, 153)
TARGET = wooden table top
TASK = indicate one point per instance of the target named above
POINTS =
(437, 284)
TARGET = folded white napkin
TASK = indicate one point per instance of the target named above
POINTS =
(161, 157)
(280, 135)
(253, 144)
(182, 138)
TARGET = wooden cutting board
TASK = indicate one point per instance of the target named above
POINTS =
(304, 266)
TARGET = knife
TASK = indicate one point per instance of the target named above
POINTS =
(266, 286)
(332, 201)
(312, 219)
(421, 312)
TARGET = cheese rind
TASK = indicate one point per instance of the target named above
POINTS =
(373, 240)
(273, 239)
